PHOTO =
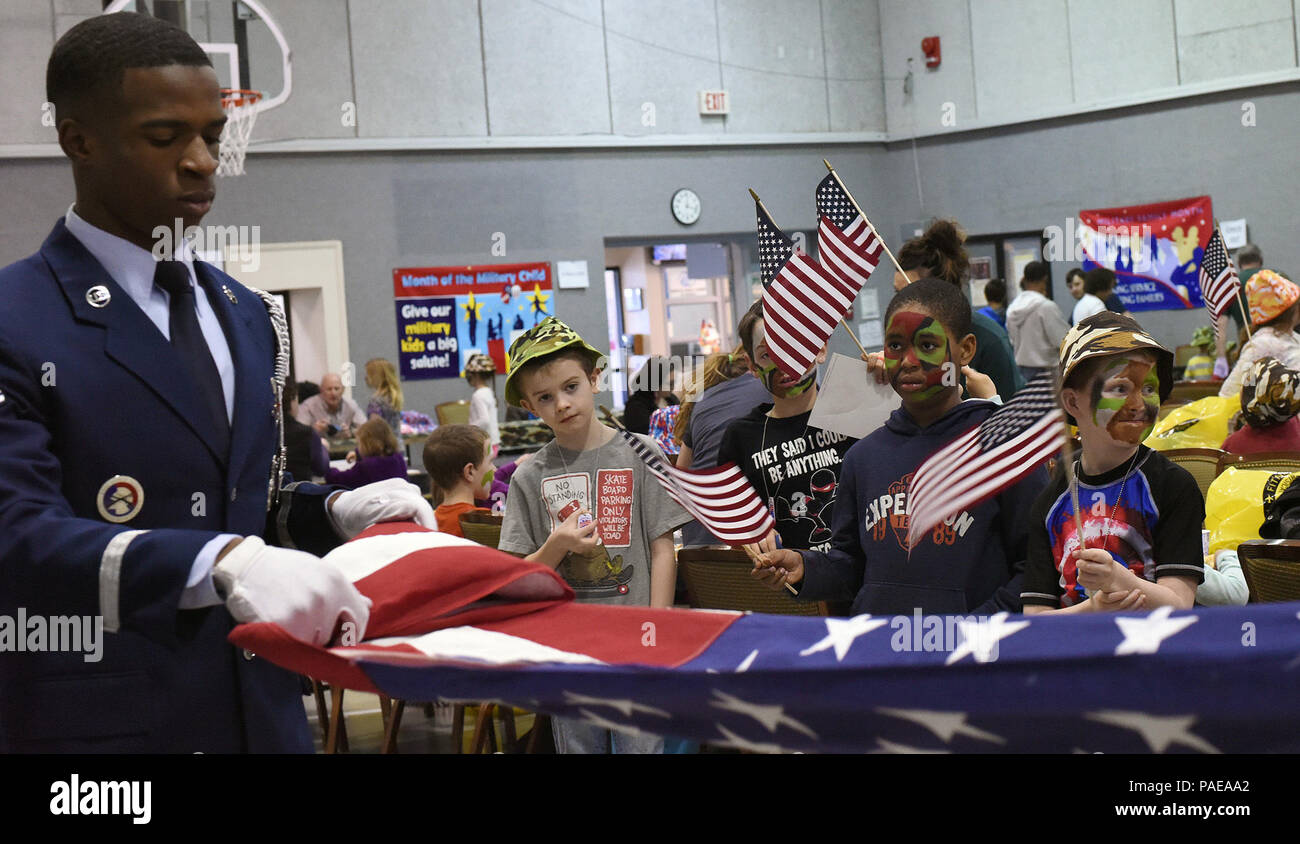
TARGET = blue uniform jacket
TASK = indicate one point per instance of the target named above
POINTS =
(88, 393)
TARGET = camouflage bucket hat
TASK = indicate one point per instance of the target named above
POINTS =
(480, 364)
(1109, 333)
(545, 338)
(1270, 393)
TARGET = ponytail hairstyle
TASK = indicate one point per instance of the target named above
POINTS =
(716, 369)
(939, 252)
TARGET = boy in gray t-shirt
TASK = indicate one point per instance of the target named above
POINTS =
(586, 505)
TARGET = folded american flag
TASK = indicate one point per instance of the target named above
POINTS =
(846, 242)
(721, 499)
(802, 300)
(455, 621)
(1219, 281)
(1012, 442)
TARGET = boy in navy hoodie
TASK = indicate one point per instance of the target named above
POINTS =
(973, 562)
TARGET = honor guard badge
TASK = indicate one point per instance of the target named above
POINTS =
(120, 499)
(229, 295)
(98, 296)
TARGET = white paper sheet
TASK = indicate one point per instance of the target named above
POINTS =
(849, 401)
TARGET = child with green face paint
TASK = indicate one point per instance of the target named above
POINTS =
(795, 467)
(973, 561)
(1141, 513)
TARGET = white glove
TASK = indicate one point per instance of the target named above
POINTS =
(393, 500)
(302, 593)
(1221, 368)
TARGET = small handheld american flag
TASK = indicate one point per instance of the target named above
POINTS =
(992, 456)
(1219, 281)
(721, 499)
(803, 301)
(846, 243)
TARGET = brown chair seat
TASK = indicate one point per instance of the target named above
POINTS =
(483, 528)
(719, 579)
(1272, 461)
(1203, 463)
(1272, 569)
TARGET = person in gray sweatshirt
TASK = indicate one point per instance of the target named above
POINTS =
(1035, 324)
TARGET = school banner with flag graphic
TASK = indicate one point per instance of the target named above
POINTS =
(456, 621)
(1155, 250)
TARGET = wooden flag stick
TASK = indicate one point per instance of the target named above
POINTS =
(751, 550)
(883, 244)
(847, 327)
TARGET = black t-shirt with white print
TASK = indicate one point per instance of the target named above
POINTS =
(794, 467)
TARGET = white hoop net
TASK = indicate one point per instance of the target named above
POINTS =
(241, 113)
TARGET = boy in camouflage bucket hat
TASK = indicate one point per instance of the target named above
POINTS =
(535, 348)
(585, 504)
(1270, 402)
(1141, 514)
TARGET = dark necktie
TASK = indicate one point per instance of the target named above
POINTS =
(189, 343)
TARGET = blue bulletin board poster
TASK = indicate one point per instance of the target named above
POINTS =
(447, 314)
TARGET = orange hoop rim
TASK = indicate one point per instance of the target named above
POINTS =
(239, 97)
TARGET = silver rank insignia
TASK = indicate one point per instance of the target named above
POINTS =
(98, 296)
(229, 294)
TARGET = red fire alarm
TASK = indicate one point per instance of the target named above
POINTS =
(930, 46)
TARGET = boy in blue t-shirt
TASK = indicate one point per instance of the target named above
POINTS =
(1141, 513)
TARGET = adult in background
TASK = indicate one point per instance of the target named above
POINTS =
(305, 453)
(386, 396)
(718, 395)
(940, 253)
(650, 389)
(133, 486)
(1074, 283)
(995, 294)
(331, 413)
(1035, 324)
(1096, 282)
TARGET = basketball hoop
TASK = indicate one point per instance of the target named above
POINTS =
(241, 112)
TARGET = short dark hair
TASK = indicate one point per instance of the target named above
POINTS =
(941, 299)
(1036, 271)
(1250, 254)
(1098, 280)
(1074, 271)
(89, 62)
(995, 291)
(449, 449)
(745, 330)
(307, 389)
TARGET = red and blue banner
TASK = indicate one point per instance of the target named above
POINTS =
(1155, 250)
(446, 314)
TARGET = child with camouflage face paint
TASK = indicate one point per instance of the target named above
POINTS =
(972, 562)
(794, 466)
(1141, 513)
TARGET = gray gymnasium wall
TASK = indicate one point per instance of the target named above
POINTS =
(1035, 175)
(419, 209)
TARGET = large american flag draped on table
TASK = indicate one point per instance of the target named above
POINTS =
(846, 243)
(455, 621)
(802, 300)
(1012, 442)
(1219, 281)
(722, 499)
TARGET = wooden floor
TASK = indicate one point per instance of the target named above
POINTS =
(418, 734)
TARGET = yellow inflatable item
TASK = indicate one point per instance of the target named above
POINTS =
(1199, 424)
(1235, 504)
